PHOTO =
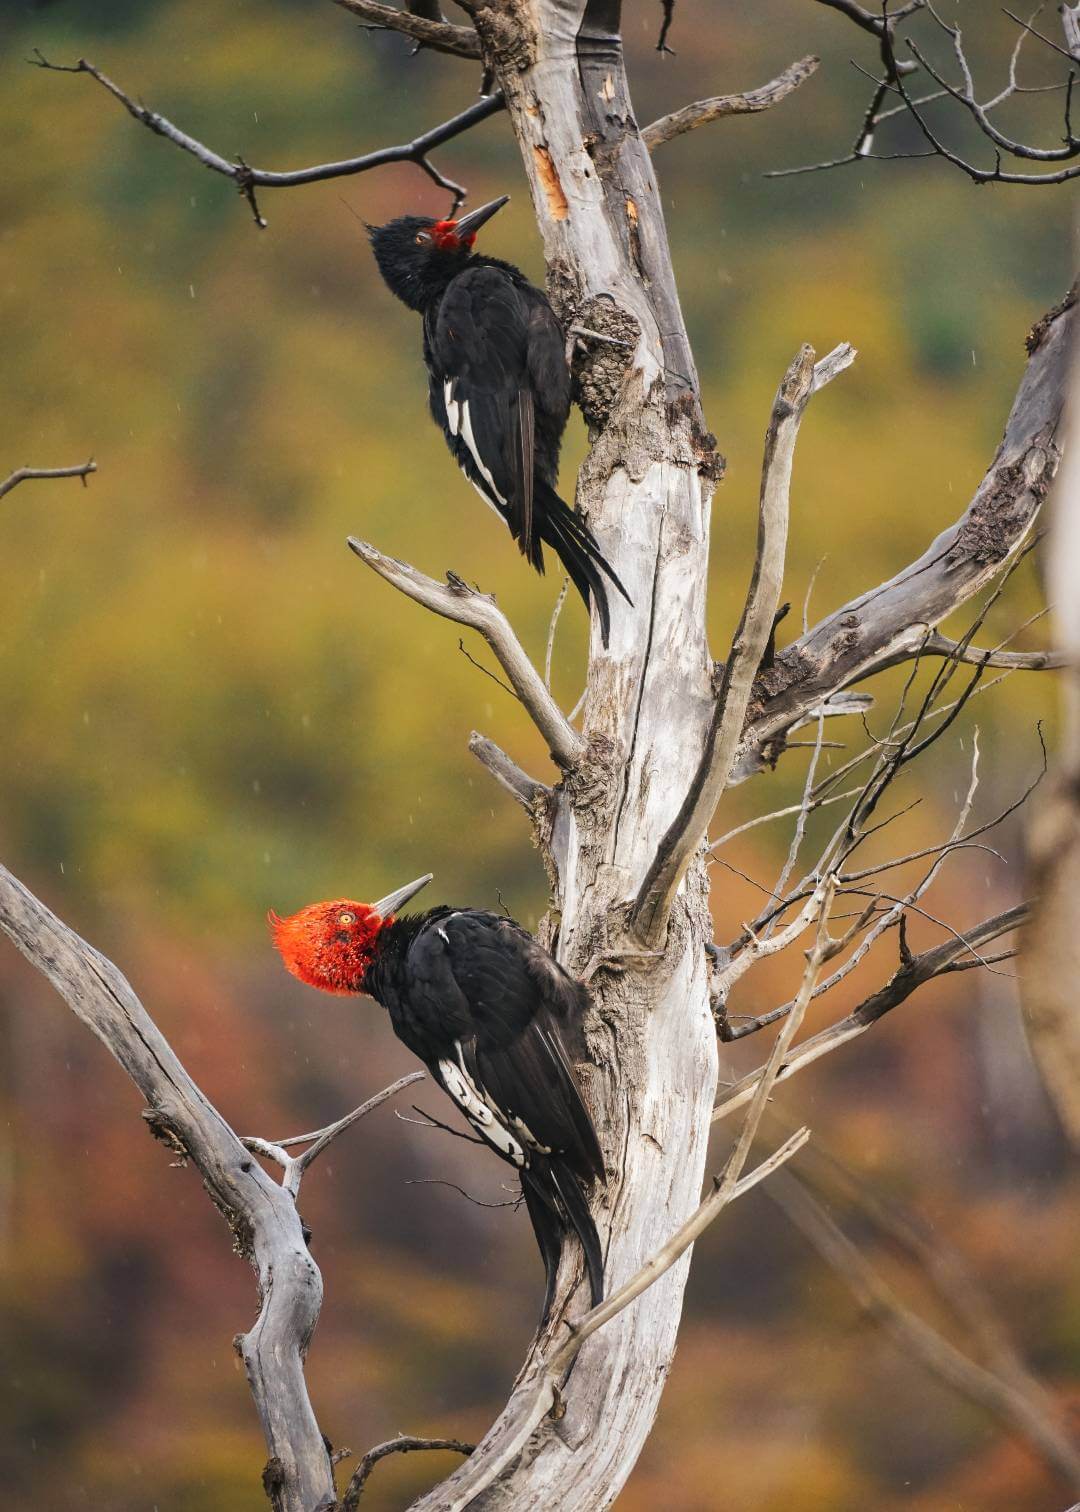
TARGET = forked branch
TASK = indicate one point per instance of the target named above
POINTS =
(261, 1213)
(456, 601)
(895, 82)
(247, 179)
(294, 1166)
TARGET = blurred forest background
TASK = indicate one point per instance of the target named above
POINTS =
(208, 708)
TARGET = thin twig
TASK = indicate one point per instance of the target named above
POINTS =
(403, 1444)
(24, 474)
(247, 179)
(551, 632)
(431, 1122)
(511, 1202)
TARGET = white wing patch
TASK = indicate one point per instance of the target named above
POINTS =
(461, 1088)
(470, 441)
(453, 408)
(482, 491)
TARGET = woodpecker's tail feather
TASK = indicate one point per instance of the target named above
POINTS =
(549, 1231)
(556, 1203)
(576, 546)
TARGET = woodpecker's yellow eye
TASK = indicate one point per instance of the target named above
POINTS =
(346, 918)
(422, 238)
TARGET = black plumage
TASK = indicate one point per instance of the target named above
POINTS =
(485, 1008)
(498, 383)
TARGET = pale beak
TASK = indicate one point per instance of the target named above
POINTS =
(395, 900)
(470, 224)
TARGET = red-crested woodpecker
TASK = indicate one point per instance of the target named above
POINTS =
(498, 384)
(485, 1008)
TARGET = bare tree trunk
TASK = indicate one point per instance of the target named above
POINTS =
(645, 489)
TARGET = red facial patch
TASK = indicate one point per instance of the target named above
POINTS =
(329, 945)
(444, 235)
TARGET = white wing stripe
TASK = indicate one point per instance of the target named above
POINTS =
(470, 441)
(453, 409)
(482, 491)
(460, 1087)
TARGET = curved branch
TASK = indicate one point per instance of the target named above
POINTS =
(442, 36)
(702, 112)
(24, 474)
(456, 601)
(854, 640)
(403, 1444)
(653, 904)
(261, 1214)
(247, 179)
(865, 19)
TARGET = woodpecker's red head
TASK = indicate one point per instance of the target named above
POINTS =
(418, 257)
(332, 945)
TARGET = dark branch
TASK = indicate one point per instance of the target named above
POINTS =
(247, 179)
(894, 72)
(404, 1444)
(23, 474)
(865, 19)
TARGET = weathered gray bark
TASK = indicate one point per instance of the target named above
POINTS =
(645, 488)
(262, 1215)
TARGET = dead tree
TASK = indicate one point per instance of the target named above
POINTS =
(622, 819)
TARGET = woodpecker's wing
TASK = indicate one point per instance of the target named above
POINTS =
(506, 1066)
(498, 355)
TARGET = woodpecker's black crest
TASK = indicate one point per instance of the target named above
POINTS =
(485, 1008)
(498, 384)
